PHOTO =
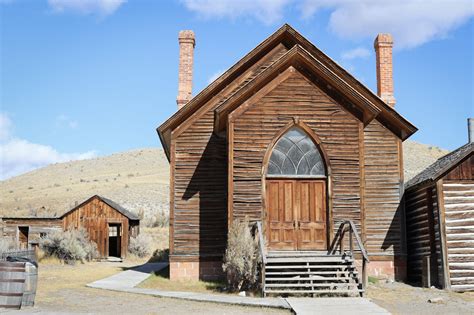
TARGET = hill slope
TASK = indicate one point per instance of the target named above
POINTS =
(137, 179)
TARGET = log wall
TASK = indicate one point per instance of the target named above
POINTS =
(37, 227)
(459, 214)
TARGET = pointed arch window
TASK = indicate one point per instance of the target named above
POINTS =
(296, 155)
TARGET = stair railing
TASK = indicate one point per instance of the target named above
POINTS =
(337, 245)
(257, 232)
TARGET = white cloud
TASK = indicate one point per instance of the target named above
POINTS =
(266, 11)
(412, 22)
(359, 52)
(100, 7)
(213, 77)
(18, 156)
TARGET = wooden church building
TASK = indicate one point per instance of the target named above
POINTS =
(287, 138)
(107, 223)
(440, 221)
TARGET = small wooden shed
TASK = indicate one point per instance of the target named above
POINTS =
(440, 222)
(108, 224)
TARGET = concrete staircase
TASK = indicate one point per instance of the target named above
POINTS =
(310, 273)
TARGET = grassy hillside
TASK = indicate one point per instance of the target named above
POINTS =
(137, 179)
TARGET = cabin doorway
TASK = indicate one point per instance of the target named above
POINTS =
(295, 186)
(115, 240)
(23, 235)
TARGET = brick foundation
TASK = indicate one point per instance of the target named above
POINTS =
(196, 270)
(394, 269)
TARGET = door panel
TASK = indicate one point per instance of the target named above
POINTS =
(312, 215)
(281, 213)
(296, 214)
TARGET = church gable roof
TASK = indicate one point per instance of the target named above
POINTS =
(290, 38)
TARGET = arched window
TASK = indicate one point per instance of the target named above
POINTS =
(296, 155)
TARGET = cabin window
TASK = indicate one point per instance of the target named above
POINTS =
(296, 155)
(113, 230)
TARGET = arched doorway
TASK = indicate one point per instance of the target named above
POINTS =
(296, 181)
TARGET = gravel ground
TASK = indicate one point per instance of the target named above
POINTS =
(400, 298)
(61, 290)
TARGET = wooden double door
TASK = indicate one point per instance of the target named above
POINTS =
(296, 214)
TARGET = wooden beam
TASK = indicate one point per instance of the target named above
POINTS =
(442, 234)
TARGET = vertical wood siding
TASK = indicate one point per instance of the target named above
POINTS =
(199, 223)
(94, 217)
(422, 220)
(382, 192)
(255, 129)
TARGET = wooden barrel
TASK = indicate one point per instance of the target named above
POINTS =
(31, 282)
(12, 284)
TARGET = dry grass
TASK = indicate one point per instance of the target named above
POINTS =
(159, 235)
(138, 180)
(161, 281)
(55, 277)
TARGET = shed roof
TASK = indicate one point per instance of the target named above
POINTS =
(289, 37)
(442, 165)
(113, 204)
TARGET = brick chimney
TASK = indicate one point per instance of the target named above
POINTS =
(383, 54)
(185, 75)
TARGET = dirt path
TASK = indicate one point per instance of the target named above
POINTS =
(399, 298)
(61, 289)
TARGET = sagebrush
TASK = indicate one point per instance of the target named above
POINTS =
(6, 244)
(140, 245)
(69, 246)
(241, 257)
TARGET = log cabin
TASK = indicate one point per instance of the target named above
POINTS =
(107, 223)
(440, 222)
(292, 141)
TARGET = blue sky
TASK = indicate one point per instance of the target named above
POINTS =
(82, 78)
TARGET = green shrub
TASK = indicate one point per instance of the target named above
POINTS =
(69, 246)
(140, 245)
(241, 257)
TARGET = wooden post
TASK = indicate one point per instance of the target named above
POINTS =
(426, 272)
(364, 277)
